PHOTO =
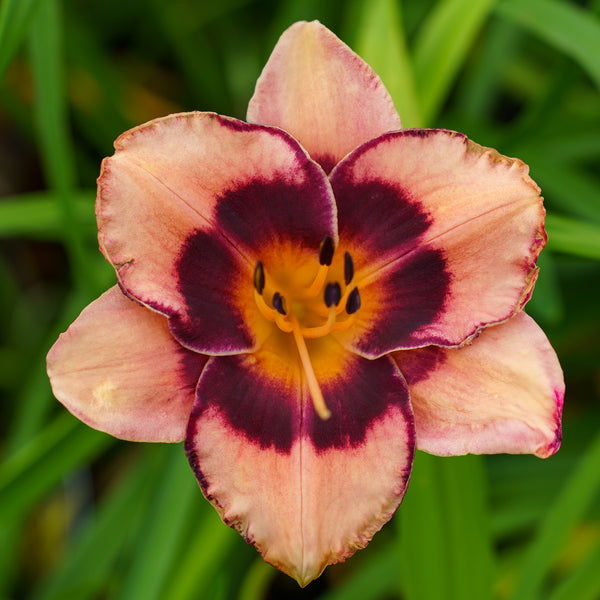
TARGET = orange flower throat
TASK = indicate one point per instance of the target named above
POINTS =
(321, 308)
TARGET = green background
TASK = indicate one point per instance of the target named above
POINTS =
(85, 516)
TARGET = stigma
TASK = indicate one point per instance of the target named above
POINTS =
(325, 305)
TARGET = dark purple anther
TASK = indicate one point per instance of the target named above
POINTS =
(348, 268)
(353, 302)
(279, 303)
(259, 277)
(333, 294)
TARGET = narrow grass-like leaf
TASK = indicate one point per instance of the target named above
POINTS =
(467, 524)
(579, 491)
(547, 302)
(563, 25)
(39, 216)
(422, 534)
(256, 581)
(15, 18)
(573, 237)
(445, 530)
(569, 188)
(52, 123)
(382, 44)
(443, 44)
(87, 565)
(478, 93)
(206, 550)
(31, 472)
(165, 526)
(377, 577)
(584, 582)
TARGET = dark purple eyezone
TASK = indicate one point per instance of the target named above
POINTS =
(348, 268)
(326, 250)
(279, 303)
(353, 302)
(333, 294)
(259, 277)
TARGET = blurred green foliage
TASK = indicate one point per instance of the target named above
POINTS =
(85, 516)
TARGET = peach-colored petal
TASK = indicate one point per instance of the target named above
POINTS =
(320, 91)
(444, 234)
(118, 369)
(305, 492)
(189, 176)
(502, 393)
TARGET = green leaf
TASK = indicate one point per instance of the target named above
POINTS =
(204, 555)
(583, 583)
(15, 18)
(39, 216)
(166, 524)
(376, 577)
(52, 124)
(569, 188)
(38, 466)
(573, 237)
(442, 46)
(422, 541)
(565, 26)
(577, 495)
(382, 44)
(89, 562)
(445, 529)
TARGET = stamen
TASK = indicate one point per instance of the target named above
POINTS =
(326, 250)
(283, 324)
(353, 302)
(333, 294)
(317, 284)
(348, 268)
(321, 330)
(279, 303)
(259, 277)
(266, 311)
(313, 385)
(343, 325)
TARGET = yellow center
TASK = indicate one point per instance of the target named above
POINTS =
(310, 311)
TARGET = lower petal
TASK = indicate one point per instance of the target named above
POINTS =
(119, 370)
(305, 492)
(502, 393)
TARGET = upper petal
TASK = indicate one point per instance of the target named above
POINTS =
(305, 492)
(444, 235)
(118, 369)
(502, 393)
(316, 88)
(174, 181)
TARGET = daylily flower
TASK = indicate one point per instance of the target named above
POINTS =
(307, 297)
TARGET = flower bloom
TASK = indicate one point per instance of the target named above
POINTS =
(307, 297)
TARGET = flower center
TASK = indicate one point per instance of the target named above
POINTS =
(314, 311)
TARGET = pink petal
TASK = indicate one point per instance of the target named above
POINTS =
(502, 393)
(199, 175)
(444, 235)
(320, 91)
(306, 492)
(118, 369)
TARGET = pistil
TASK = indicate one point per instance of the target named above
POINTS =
(291, 312)
(311, 379)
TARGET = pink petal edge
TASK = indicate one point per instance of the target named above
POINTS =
(317, 89)
(502, 393)
(119, 370)
(474, 213)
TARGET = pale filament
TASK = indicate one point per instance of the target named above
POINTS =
(313, 385)
(317, 285)
(287, 320)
